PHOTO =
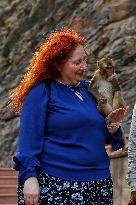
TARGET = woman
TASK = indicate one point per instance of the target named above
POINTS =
(132, 159)
(61, 157)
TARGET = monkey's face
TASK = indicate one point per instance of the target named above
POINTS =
(109, 70)
(106, 66)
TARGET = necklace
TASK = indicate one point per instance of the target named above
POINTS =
(74, 89)
(70, 86)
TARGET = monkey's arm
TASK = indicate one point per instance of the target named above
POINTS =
(115, 83)
(94, 87)
(118, 100)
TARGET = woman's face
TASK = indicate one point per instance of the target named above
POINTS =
(72, 70)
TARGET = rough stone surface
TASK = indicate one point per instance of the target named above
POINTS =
(108, 25)
(121, 189)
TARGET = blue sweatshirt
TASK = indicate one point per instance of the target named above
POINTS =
(62, 135)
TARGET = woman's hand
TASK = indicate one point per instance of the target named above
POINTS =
(132, 198)
(31, 191)
(115, 118)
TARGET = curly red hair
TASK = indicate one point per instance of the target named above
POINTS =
(58, 47)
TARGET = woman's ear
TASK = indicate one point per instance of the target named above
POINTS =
(58, 66)
(55, 65)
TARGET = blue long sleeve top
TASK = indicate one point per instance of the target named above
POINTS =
(62, 135)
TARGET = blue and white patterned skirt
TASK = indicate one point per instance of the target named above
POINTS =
(57, 191)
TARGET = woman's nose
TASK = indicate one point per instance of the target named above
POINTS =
(83, 66)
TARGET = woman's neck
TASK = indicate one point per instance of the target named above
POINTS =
(70, 84)
(67, 83)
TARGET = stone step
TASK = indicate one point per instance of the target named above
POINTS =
(8, 180)
(10, 189)
(8, 172)
(8, 199)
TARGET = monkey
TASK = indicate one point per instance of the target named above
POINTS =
(104, 86)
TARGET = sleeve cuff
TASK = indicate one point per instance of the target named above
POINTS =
(24, 175)
(27, 166)
(117, 140)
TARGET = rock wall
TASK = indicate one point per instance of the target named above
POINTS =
(108, 25)
(121, 190)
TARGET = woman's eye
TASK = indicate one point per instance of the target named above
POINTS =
(77, 63)
(80, 61)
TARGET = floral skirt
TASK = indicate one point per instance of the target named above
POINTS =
(57, 191)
